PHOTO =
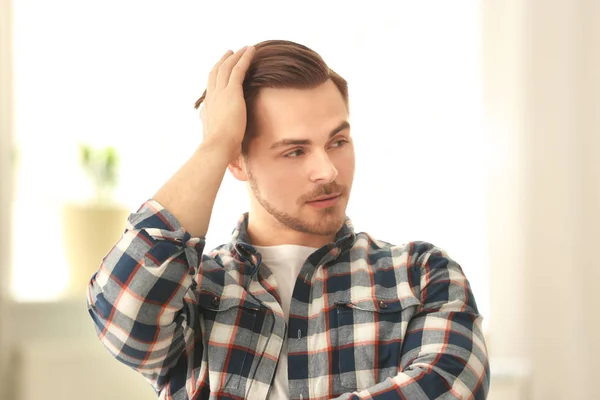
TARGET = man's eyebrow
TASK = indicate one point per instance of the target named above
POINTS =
(341, 127)
(304, 142)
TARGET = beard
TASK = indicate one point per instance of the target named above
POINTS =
(328, 221)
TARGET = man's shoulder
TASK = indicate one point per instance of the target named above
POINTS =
(414, 248)
(415, 253)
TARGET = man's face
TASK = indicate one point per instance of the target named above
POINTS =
(301, 164)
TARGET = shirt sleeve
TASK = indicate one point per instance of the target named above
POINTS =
(139, 299)
(444, 353)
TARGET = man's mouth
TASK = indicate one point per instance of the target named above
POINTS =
(325, 197)
(328, 200)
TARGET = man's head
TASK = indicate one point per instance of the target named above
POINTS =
(282, 64)
(297, 145)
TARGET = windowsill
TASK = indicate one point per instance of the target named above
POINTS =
(64, 319)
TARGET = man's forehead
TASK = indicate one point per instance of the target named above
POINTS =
(326, 92)
(278, 110)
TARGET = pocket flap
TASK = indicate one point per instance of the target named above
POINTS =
(214, 302)
(381, 304)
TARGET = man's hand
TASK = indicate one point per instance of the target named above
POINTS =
(224, 111)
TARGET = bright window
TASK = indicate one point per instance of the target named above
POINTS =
(127, 73)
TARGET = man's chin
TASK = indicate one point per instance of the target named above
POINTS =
(327, 224)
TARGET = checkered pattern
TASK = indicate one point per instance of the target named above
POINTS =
(368, 320)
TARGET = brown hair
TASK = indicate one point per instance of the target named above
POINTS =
(283, 64)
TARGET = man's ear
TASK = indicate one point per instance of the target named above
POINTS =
(238, 169)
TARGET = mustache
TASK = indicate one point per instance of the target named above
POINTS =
(324, 190)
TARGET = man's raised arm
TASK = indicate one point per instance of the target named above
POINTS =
(140, 299)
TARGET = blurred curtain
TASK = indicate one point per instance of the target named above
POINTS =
(5, 176)
(542, 74)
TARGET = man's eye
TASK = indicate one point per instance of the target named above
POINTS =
(294, 153)
(340, 143)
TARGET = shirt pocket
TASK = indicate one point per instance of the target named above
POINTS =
(230, 324)
(369, 338)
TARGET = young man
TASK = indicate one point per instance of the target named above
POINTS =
(297, 305)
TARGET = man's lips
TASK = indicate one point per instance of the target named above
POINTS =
(325, 197)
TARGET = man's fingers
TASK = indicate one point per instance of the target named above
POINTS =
(212, 77)
(226, 67)
(238, 73)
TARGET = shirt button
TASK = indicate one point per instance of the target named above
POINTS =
(215, 301)
(382, 304)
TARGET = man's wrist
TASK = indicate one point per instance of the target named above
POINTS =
(224, 152)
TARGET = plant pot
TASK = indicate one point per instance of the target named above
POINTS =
(90, 232)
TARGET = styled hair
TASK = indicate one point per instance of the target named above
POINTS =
(282, 64)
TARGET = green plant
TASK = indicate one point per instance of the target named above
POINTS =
(101, 166)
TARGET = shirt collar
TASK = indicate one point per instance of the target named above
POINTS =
(242, 245)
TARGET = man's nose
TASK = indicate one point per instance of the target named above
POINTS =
(322, 169)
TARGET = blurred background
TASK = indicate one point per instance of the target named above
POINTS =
(479, 121)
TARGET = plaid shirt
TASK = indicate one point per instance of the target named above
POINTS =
(368, 320)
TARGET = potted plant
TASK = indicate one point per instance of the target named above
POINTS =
(91, 228)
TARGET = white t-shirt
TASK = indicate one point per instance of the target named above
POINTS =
(285, 262)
